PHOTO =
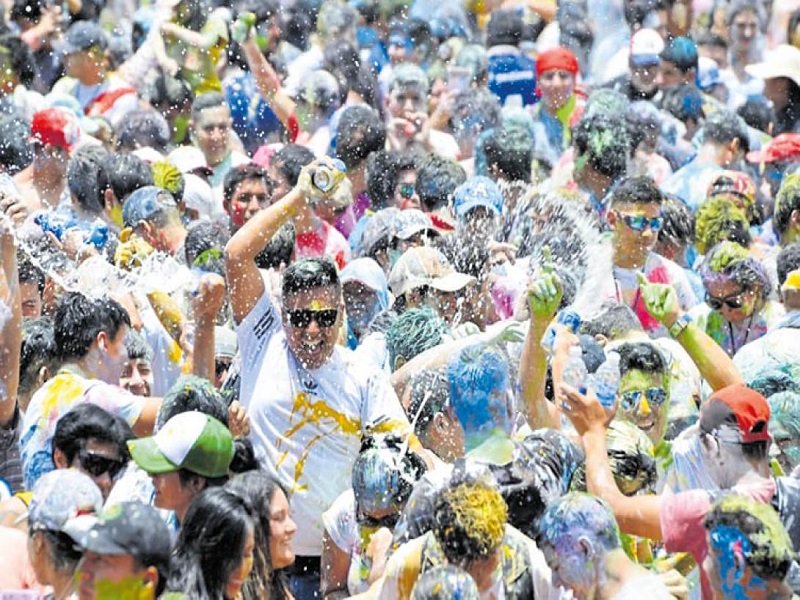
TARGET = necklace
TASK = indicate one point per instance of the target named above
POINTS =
(734, 349)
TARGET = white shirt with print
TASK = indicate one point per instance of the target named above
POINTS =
(306, 425)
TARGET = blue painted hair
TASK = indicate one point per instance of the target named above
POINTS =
(476, 374)
(578, 514)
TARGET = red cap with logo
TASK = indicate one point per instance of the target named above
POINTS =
(55, 126)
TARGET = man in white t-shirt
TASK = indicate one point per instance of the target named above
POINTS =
(309, 400)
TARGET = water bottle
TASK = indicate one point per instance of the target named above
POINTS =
(575, 372)
(569, 318)
(605, 381)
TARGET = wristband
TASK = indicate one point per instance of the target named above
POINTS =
(679, 325)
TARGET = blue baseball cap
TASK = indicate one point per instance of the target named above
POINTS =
(478, 191)
(144, 203)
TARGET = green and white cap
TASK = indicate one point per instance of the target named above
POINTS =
(191, 440)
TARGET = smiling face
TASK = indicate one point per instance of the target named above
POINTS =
(281, 531)
(647, 414)
(632, 246)
(737, 303)
(312, 344)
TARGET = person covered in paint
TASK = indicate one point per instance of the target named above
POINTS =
(556, 73)
(126, 552)
(471, 531)
(785, 427)
(749, 551)
(445, 583)
(412, 333)
(581, 542)
(737, 309)
(734, 434)
(309, 399)
(632, 459)
(383, 476)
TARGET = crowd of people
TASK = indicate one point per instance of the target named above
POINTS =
(424, 300)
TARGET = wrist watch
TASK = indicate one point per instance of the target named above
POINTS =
(679, 325)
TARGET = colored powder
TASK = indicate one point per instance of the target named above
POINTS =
(481, 511)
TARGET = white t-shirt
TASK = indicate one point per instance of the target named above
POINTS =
(306, 425)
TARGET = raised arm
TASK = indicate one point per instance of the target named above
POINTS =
(636, 515)
(714, 364)
(205, 306)
(246, 284)
(269, 85)
(544, 297)
(11, 319)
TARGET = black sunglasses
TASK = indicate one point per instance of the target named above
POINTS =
(96, 464)
(301, 318)
(733, 301)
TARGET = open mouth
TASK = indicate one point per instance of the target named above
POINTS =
(646, 425)
(312, 348)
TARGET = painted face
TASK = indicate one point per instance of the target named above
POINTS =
(361, 304)
(570, 569)
(171, 493)
(642, 399)
(249, 197)
(635, 228)
(137, 377)
(211, 132)
(312, 337)
(240, 575)
(731, 300)
(728, 572)
(483, 409)
(103, 576)
(557, 87)
(281, 531)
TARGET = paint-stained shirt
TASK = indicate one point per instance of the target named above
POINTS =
(306, 425)
(61, 393)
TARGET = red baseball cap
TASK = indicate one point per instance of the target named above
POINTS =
(556, 58)
(55, 126)
(783, 147)
(739, 408)
(733, 182)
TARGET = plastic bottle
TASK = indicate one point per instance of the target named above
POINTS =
(570, 319)
(605, 381)
(575, 372)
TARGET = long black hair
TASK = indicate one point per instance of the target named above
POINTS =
(258, 489)
(210, 544)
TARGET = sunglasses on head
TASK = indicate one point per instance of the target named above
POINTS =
(301, 318)
(406, 190)
(655, 397)
(640, 222)
(97, 464)
(733, 301)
